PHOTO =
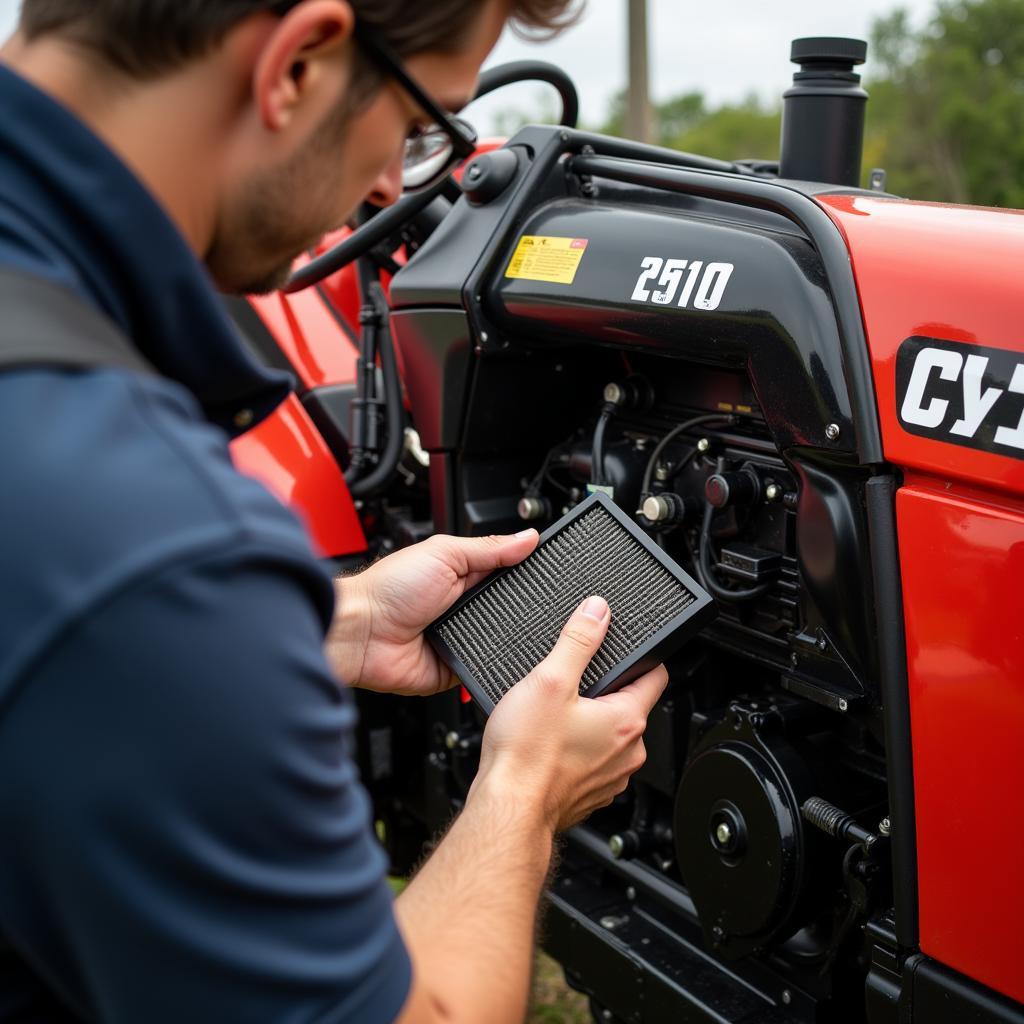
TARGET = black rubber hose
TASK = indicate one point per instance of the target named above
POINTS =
(383, 473)
(706, 572)
(597, 449)
(363, 239)
(534, 71)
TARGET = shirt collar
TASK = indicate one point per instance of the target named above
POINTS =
(127, 255)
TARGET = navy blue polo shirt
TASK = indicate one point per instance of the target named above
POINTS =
(183, 835)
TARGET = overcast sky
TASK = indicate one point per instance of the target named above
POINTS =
(726, 49)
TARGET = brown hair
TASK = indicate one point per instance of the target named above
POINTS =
(146, 38)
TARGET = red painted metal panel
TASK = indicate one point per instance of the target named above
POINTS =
(287, 454)
(309, 336)
(954, 273)
(950, 272)
(963, 583)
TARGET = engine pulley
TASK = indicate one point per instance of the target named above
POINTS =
(739, 836)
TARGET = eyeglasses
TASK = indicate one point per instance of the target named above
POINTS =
(433, 151)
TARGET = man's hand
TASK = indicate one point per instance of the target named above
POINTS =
(570, 755)
(549, 758)
(376, 641)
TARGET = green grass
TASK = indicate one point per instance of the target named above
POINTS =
(553, 1001)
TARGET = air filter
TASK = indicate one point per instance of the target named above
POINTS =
(495, 635)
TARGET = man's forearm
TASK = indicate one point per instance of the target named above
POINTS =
(469, 915)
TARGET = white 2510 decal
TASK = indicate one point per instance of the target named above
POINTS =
(660, 281)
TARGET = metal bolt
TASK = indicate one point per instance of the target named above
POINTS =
(723, 834)
(718, 933)
(475, 171)
(793, 658)
(661, 474)
(617, 846)
(611, 922)
(773, 492)
(451, 741)
(656, 509)
(630, 893)
(244, 418)
(703, 444)
(843, 704)
(484, 337)
(787, 996)
(564, 136)
(613, 393)
(832, 431)
(885, 827)
(607, 1015)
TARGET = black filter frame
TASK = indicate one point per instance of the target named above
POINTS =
(664, 643)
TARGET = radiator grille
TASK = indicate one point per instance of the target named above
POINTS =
(511, 624)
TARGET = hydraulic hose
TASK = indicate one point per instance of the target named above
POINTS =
(376, 326)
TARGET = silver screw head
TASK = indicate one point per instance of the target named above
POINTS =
(832, 431)
(773, 492)
(630, 893)
(843, 704)
(885, 826)
(244, 418)
(661, 474)
(617, 846)
(723, 833)
(703, 444)
(451, 741)
(787, 996)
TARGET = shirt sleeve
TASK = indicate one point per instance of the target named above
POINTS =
(187, 838)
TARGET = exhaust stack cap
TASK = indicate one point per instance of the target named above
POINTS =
(823, 112)
(835, 50)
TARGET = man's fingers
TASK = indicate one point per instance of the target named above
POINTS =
(477, 556)
(647, 690)
(581, 636)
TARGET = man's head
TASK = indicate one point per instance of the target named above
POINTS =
(292, 122)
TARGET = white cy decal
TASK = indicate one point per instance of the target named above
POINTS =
(706, 295)
(931, 364)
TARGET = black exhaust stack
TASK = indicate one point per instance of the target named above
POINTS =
(823, 113)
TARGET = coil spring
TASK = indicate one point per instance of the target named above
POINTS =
(820, 813)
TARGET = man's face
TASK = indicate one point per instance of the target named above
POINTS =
(278, 212)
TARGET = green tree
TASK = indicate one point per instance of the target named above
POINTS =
(729, 132)
(946, 115)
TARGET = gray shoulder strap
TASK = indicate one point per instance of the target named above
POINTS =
(46, 324)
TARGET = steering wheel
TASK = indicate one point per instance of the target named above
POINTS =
(389, 221)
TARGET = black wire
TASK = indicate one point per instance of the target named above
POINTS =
(683, 463)
(671, 436)
(706, 573)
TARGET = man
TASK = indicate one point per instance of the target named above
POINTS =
(184, 836)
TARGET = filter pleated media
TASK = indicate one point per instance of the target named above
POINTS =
(498, 632)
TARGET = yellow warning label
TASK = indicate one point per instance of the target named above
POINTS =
(547, 258)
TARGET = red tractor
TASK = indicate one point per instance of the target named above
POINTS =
(812, 396)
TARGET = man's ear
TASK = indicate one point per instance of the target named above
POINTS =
(298, 56)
